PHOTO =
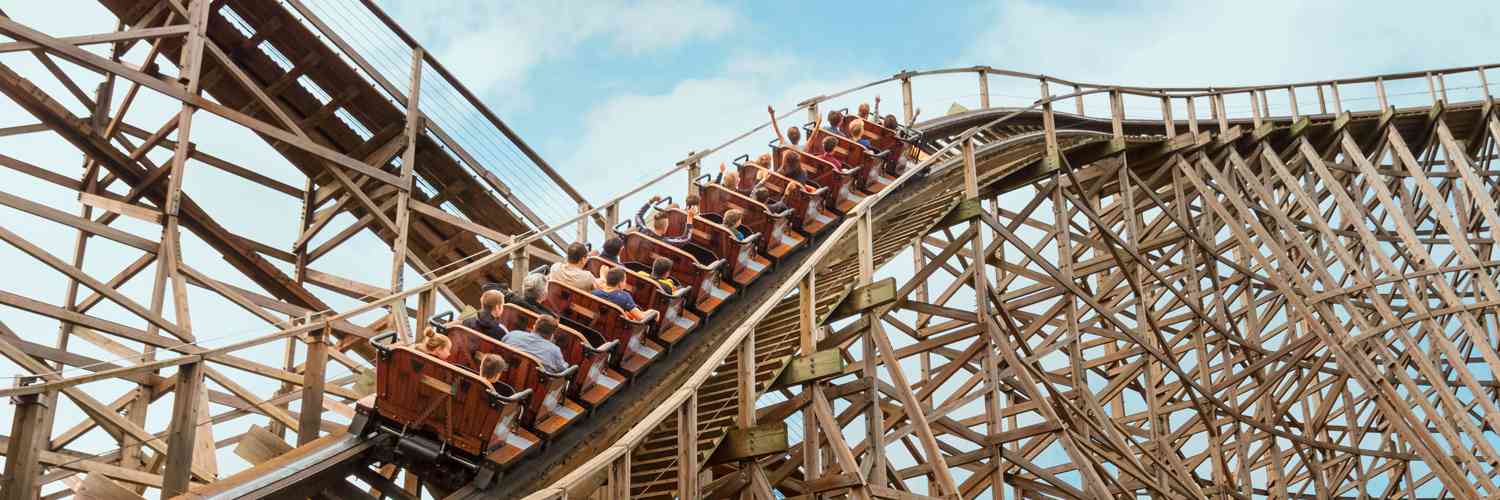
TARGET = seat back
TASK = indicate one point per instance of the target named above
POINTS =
(648, 295)
(425, 394)
(526, 372)
(686, 269)
(758, 219)
(805, 204)
(588, 351)
(596, 314)
(722, 241)
(883, 139)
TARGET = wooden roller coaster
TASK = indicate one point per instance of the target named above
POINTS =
(1280, 291)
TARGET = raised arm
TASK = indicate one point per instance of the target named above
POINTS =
(877, 106)
(777, 127)
(640, 215)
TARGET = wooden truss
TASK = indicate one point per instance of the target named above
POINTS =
(374, 163)
(1292, 305)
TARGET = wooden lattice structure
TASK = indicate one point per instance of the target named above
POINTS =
(1112, 292)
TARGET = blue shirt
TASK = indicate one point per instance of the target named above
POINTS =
(618, 297)
(544, 350)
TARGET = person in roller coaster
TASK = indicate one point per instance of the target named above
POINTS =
(610, 290)
(827, 155)
(864, 109)
(436, 345)
(732, 218)
(532, 290)
(492, 367)
(794, 138)
(892, 160)
(835, 117)
(857, 133)
(730, 180)
(612, 247)
(539, 343)
(661, 270)
(690, 204)
(487, 320)
(572, 273)
(660, 223)
(774, 204)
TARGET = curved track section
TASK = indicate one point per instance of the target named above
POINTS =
(1257, 310)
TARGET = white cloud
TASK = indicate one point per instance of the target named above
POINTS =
(1181, 42)
(630, 138)
(492, 47)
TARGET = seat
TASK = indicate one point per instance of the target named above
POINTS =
(548, 409)
(673, 321)
(842, 182)
(420, 393)
(594, 381)
(709, 291)
(775, 241)
(741, 262)
(585, 312)
(808, 213)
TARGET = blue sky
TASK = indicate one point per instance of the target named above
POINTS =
(590, 84)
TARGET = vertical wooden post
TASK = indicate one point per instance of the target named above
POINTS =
(909, 115)
(1220, 114)
(1338, 105)
(1078, 101)
(687, 449)
(807, 302)
(1380, 93)
(694, 170)
(182, 430)
(1485, 84)
(519, 264)
(1322, 101)
(875, 415)
(583, 223)
(310, 420)
(1049, 127)
(1431, 87)
(1291, 93)
(22, 465)
(403, 196)
(1117, 113)
(1192, 112)
(426, 306)
(1255, 106)
(618, 487)
(1166, 116)
(611, 217)
(984, 89)
(745, 381)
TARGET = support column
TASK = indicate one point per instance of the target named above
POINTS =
(182, 430)
(909, 115)
(875, 415)
(22, 464)
(310, 420)
(519, 262)
(403, 196)
(687, 449)
(984, 89)
(808, 342)
(694, 170)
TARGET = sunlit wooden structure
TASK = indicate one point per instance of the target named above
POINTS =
(1281, 291)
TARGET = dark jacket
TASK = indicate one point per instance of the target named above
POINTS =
(487, 324)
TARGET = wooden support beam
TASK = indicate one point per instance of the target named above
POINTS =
(22, 465)
(311, 418)
(182, 429)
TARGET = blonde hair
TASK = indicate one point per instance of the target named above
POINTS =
(491, 366)
(856, 129)
(433, 342)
